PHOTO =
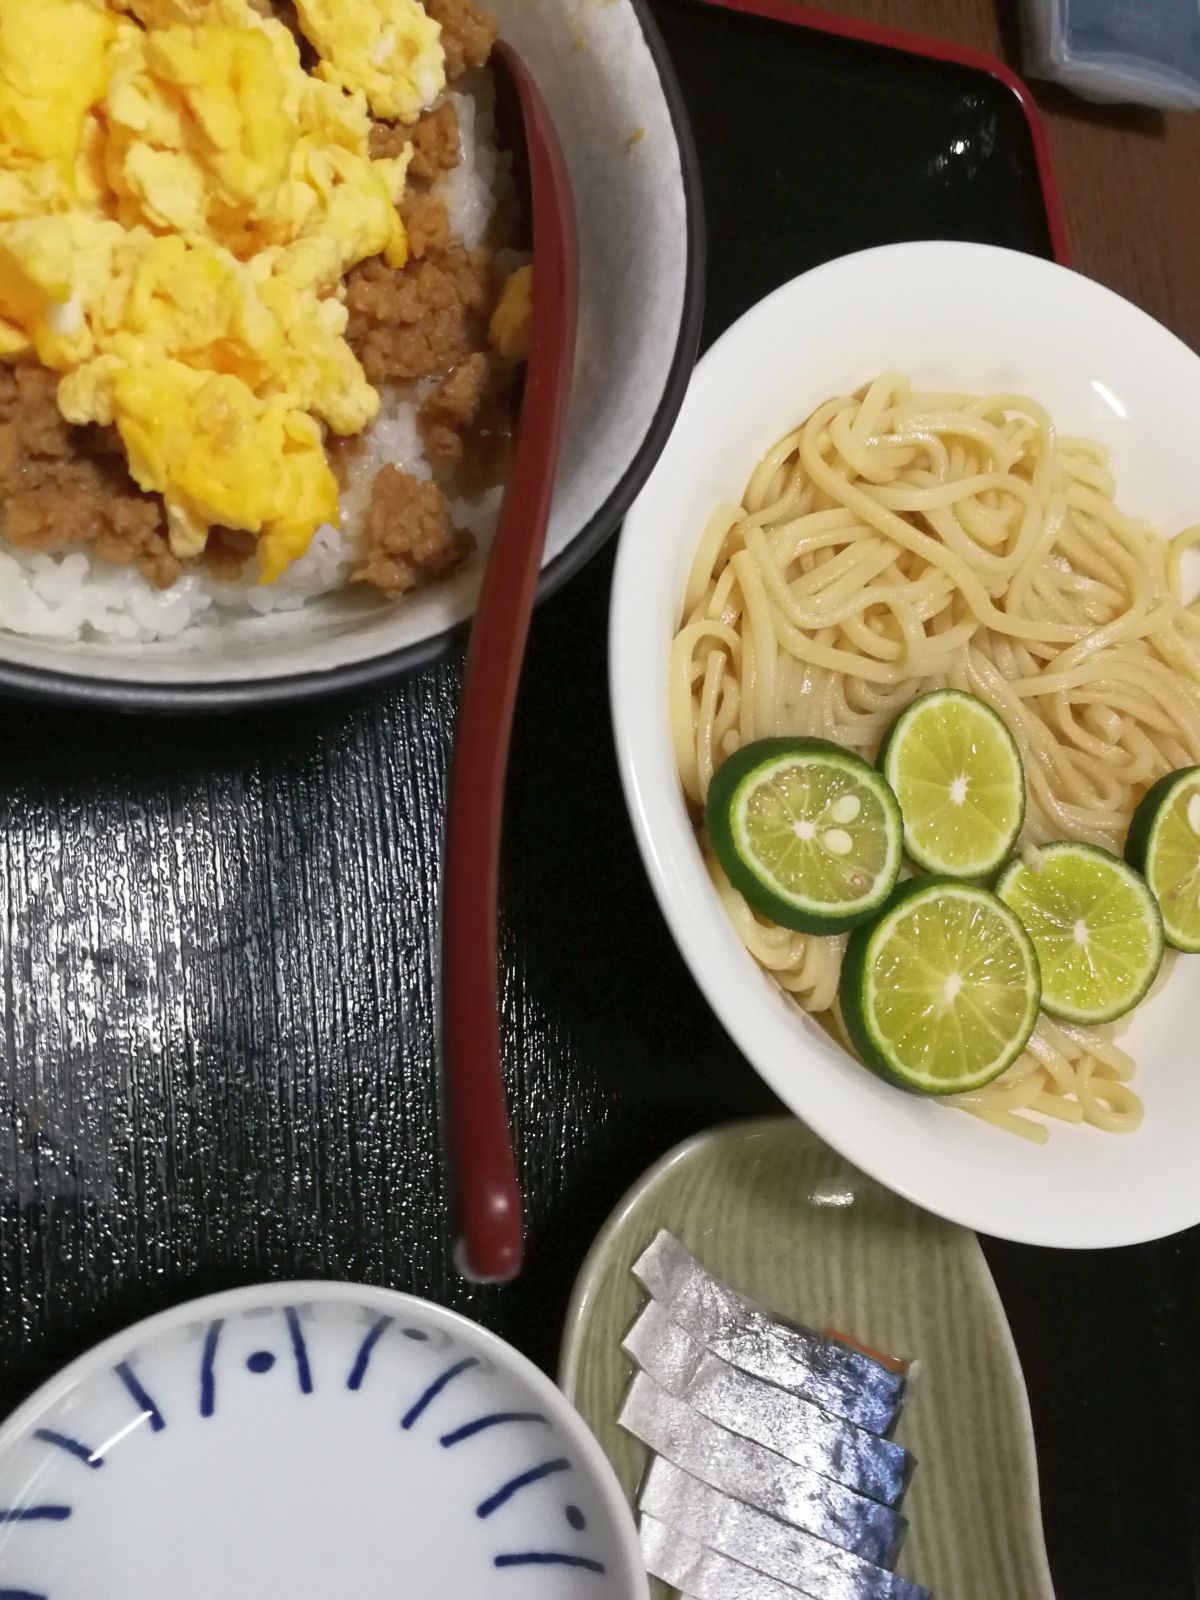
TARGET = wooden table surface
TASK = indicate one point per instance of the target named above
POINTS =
(1130, 176)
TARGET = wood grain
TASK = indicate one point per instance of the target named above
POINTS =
(218, 1001)
(1130, 176)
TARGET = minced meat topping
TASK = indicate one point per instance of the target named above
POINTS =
(434, 140)
(420, 319)
(426, 222)
(65, 486)
(410, 538)
(453, 407)
(468, 34)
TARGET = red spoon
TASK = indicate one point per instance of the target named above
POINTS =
(489, 1199)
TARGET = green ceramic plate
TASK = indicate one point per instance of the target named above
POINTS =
(779, 1216)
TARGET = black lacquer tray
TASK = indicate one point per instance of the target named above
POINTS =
(217, 994)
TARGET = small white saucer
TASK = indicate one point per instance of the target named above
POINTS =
(308, 1441)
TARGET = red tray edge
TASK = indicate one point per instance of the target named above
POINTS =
(805, 16)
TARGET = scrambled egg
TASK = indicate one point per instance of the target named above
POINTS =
(512, 320)
(179, 204)
(400, 69)
(53, 74)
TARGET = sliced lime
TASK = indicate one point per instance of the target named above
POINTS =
(809, 833)
(1094, 924)
(941, 991)
(1164, 843)
(956, 771)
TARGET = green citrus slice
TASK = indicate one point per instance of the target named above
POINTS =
(956, 771)
(809, 833)
(941, 991)
(1164, 844)
(1094, 924)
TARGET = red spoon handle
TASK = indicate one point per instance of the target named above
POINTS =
(480, 1139)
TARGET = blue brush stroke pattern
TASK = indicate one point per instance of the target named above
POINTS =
(73, 1447)
(435, 1388)
(130, 1379)
(208, 1385)
(505, 1492)
(548, 1558)
(300, 1349)
(354, 1381)
(362, 1360)
(493, 1420)
(21, 1594)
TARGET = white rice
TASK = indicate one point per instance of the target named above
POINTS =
(75, 594)
(470, 189)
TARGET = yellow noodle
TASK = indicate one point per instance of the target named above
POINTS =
(1057, 1105)
(1008, 1121)
(899, 542)
(1107, 1102)
(715, 535)
(1181, 542)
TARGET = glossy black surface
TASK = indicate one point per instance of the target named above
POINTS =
(215, 985)
(814, 146)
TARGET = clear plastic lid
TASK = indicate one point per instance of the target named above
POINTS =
(1144, 51)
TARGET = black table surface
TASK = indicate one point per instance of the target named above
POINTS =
(216, 983)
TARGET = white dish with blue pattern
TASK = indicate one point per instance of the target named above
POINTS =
(308, 1441)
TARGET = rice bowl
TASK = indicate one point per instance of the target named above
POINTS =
(314, 634)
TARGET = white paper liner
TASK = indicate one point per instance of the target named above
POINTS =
(599, 79)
